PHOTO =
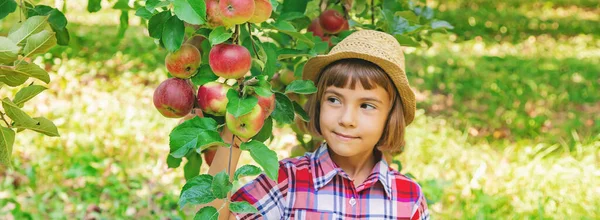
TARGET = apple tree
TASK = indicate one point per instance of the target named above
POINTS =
(238, 63)
(40, 28)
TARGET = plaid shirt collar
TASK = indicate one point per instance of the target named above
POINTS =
(324, 170)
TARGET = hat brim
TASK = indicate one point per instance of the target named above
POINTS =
(315, 65)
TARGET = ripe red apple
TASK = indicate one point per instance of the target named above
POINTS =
(248, 125)
(230, 61)
(346, 26)
(315, 28)
(286, 76)
(262, 11)
(332, 21)
(209, 155)
(174, 98)
(212, 98)
(184, 62)
(267, 104)
(297, 151)
(236, 11)
(213, 13)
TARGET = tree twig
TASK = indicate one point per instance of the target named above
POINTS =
(252, 40)
(373, 12)
(3, 119)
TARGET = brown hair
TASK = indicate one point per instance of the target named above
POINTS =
(369, 75)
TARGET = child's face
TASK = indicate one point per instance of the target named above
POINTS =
(352, 120)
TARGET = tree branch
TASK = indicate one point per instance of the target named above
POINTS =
(4, 119)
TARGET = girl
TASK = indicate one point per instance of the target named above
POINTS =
(361, 108)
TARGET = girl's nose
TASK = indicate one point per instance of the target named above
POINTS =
(347, 117)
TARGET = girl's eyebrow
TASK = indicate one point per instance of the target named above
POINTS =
(361, 99)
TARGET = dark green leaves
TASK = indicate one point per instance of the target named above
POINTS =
(238, 106)
(242, 207)
(284, 109)
(7, 7)
(264, 156)
(27, 93)
(246, 170)
(197, 133)
(197, 191)
(301, 87)
(157, 23)
(192, 167)
(204, 75)
(300, 111)
(219, 35)
(173, 33)
(94, 5)
(221, 185)
(7, 139)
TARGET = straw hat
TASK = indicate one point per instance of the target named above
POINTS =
(374, 46)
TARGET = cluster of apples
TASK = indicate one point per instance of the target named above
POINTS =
(232, 12)
(330, 22)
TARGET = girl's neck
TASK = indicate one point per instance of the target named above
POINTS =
(358, 167)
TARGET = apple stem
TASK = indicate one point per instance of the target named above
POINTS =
(373, 12)
(3, 119)
(252, 40)
(236, 35)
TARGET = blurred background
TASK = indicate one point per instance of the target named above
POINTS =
(507, 127)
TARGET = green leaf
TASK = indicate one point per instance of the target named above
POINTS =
(173, 32)
(197, 191)
(151, 5)
(271, 65)
(173, 162)
(7, 7)
(62, 37)
(16, 114)
(301, 87)
(157, 23)
(284, 109)
(207, 213)
(189, 131)
(287, 53)
(94, 5)
(246, 170)
(264, 156)
(300, 111)
(294, 6)
(406, 41)
(287, 28)
(192, 167)
(7, 139)
(263, 91)
(192, 12)
(122, 5)
(9, 51)
(238, 107)
(219, 35)
(441, 24)
(39, 43)
(123, 24)
(288, 16)
(38, 10)
(17, 76)
(221, 185)
(44, 126)
(242, 207)
(204, 75)
(31, 26)
(265, 132)
(27, 93)
(143, 12)
(203, 140)
(57, 19)
(408, 15)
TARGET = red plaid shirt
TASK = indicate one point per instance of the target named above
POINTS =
(314, 187)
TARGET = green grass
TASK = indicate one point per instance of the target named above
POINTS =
(507, 127)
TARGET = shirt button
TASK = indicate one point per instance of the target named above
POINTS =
(352, 201)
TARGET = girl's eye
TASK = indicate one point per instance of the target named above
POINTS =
(367, 106)
(333, 100)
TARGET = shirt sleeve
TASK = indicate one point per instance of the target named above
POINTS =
(266, 195)
(421, 212)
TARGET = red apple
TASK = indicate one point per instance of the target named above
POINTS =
(230, 61)
(213, 13)
(236, 11)
(212, 98)
(262, 11)
(248, 125)
(346, 26)
(174, 98)
(266, 103)
(184, 62)
(315, 28)
(286, 76)
(332, 21)
(209, 155)
(297, 151)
